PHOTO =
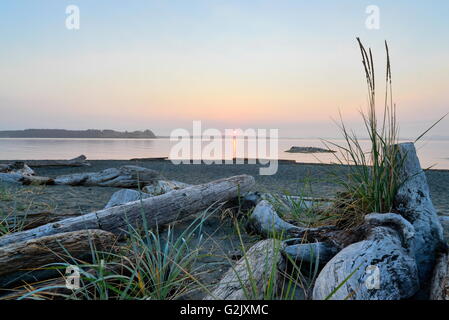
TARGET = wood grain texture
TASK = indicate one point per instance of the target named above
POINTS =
(51, 249)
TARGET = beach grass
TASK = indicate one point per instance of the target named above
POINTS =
(373, 179)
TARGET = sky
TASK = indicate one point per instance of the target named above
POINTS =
(292, 65)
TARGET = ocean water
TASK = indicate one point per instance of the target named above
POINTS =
(431, 152)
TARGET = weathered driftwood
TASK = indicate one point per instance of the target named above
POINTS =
(123, 177)
(56, 286)
(309, 253)
(125, 196)
(15, 172)
(382, 267)
(249, 278)
(80, 161)
(19, 172)
(158, 210)
(27, 255)
(414, 203)
(267, 222)
(18, 167)
(439, 289)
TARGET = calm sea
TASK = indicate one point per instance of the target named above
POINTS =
(431, 152)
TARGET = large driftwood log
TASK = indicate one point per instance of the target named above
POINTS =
(20, 261)
(123, 177)
(80, 161)
(158, 210)
(414, 203)
(382, 267)
(249, 278)
(56, 248)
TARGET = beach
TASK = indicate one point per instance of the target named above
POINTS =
(291, 178)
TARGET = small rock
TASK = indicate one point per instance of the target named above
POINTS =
(295, 149)
(163, 186)
(124, 196)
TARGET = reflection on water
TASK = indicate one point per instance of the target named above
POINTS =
(434, 152)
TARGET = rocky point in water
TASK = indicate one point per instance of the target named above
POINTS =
(295, 149)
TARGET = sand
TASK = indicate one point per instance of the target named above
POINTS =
(291, 178)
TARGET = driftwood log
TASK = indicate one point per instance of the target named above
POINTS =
(309, 253)
(414, 203)
(123, 177)
(249, 278)
(56, 248)
(18, 167)
(25, 262)
(80, 161)
(265, 221)
(158, 210)
(382, 267)
(401, 246)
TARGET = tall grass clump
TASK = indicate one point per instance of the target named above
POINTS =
(151, 265)
(373, 179)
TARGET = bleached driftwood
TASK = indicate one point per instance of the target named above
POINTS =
(414, 203)
(123, 177)
(18, 167)
(80, 161)
(382, 267)
(265, 220)
(158, 210)
(249, 278)
(309, 253)
(36, 253)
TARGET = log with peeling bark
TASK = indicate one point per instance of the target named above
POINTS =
(80, 161)
(25, 256)
(159, 210)
(249, 278)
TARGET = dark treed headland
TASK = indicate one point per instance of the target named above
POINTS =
(61, 133)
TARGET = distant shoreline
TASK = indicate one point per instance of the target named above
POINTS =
(76, 134)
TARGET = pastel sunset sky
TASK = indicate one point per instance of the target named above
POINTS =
(159, 64)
